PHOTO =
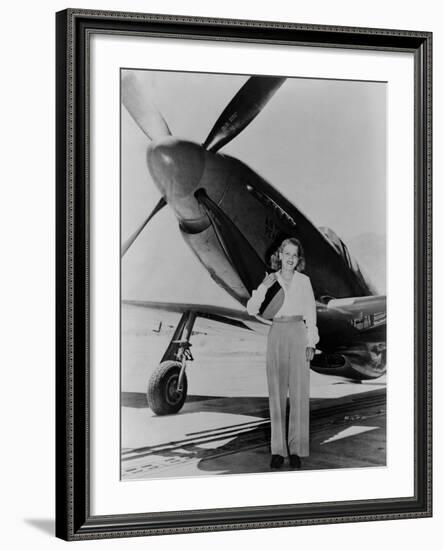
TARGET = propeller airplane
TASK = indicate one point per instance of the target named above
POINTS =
(233, 220)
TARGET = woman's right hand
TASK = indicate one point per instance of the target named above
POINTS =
(269, 280)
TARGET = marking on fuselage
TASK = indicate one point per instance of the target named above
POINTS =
(268, 202)
(368, 321)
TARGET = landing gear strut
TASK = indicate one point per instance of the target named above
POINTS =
(168, 385)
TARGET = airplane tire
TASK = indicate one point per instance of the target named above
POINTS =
(163, 397)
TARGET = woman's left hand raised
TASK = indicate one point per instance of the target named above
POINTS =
(310, 354)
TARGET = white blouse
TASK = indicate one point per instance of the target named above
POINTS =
(299, 300)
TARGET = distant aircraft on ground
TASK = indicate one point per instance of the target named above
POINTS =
(233, 220)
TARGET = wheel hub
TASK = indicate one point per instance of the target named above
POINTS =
(172, 392)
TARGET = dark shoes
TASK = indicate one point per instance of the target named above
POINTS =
(294, 461)
(276, 462)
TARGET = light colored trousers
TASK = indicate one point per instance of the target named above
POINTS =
(288, 369)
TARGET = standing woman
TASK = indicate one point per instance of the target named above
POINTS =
(287, 296)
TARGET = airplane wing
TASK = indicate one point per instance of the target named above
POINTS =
(343, 321)
(338, 321)
(229, 316)
(368, 304)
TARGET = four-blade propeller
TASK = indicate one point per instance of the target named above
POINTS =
(242, 109)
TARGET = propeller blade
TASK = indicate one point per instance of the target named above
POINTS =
(243, 108)
(143, 111)
(128, 243)
(238, 250)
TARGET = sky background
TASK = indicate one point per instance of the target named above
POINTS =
(322, 143)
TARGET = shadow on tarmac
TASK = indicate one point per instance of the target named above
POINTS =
(137, 400)
(349, 432)
(204, 403)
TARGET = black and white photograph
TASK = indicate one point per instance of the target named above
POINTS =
(220, 232)
(253, 274)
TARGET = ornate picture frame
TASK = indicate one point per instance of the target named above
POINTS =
(75, 516)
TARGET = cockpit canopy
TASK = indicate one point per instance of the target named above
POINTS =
(341, 248)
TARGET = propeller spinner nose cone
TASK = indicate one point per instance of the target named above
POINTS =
(176, 167)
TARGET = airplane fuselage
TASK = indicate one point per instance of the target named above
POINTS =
(260, 213)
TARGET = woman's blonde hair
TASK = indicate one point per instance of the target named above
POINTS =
(275, 258)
